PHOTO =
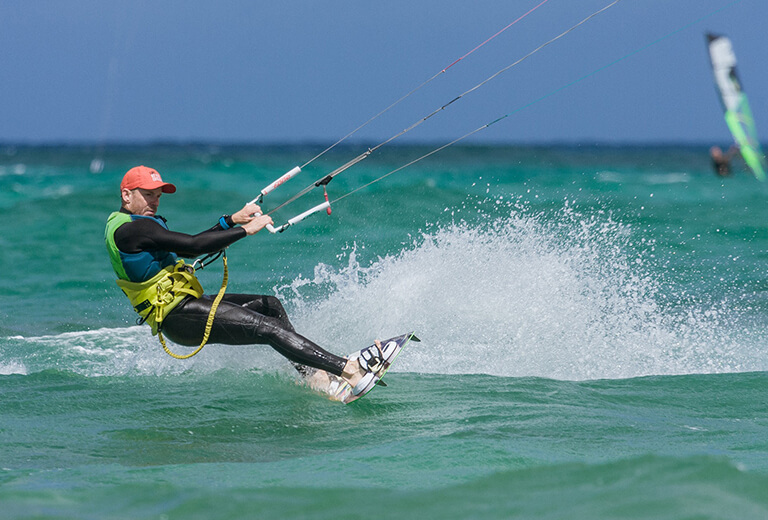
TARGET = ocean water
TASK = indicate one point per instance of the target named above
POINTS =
(593, 323)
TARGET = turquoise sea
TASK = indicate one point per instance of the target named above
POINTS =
(594, 325)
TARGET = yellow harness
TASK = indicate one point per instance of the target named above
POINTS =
(156, 297)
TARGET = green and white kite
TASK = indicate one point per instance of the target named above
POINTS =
(738, 116)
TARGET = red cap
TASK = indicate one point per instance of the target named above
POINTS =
(145, 178)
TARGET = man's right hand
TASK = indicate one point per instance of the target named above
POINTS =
(257, 224)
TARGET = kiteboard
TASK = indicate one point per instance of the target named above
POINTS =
(381, 356)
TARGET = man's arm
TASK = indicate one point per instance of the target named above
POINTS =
(145, 234)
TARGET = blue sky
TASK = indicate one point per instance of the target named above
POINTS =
(294, 71)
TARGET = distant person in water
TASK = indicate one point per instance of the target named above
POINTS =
(167, 295)
(721, 162)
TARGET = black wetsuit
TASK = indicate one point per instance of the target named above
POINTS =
(722, 166)
(241, 319)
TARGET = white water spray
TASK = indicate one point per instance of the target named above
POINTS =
(566, 298)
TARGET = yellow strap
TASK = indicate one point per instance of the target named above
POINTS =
(209, 323)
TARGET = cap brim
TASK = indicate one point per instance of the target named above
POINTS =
(166, 186)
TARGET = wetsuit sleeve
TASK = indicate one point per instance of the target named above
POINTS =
(145, 234)
(228, 220)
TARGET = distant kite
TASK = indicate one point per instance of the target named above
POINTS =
(738, 116)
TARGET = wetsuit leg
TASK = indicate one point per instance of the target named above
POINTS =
(263, 304)
(237, 323)
(269, 306)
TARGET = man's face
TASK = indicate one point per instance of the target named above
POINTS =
(141, 201)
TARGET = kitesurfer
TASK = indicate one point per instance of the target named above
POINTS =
(721, 162)
(167, 295)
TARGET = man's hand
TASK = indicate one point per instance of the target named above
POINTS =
(257, 223)
(247, 214)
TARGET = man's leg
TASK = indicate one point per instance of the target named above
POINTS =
(238, 324)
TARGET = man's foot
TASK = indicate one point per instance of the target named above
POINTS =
(372, 358)
(373, 361)
(353, 372)
(332, 385)
(319, 380)
(369, 360)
